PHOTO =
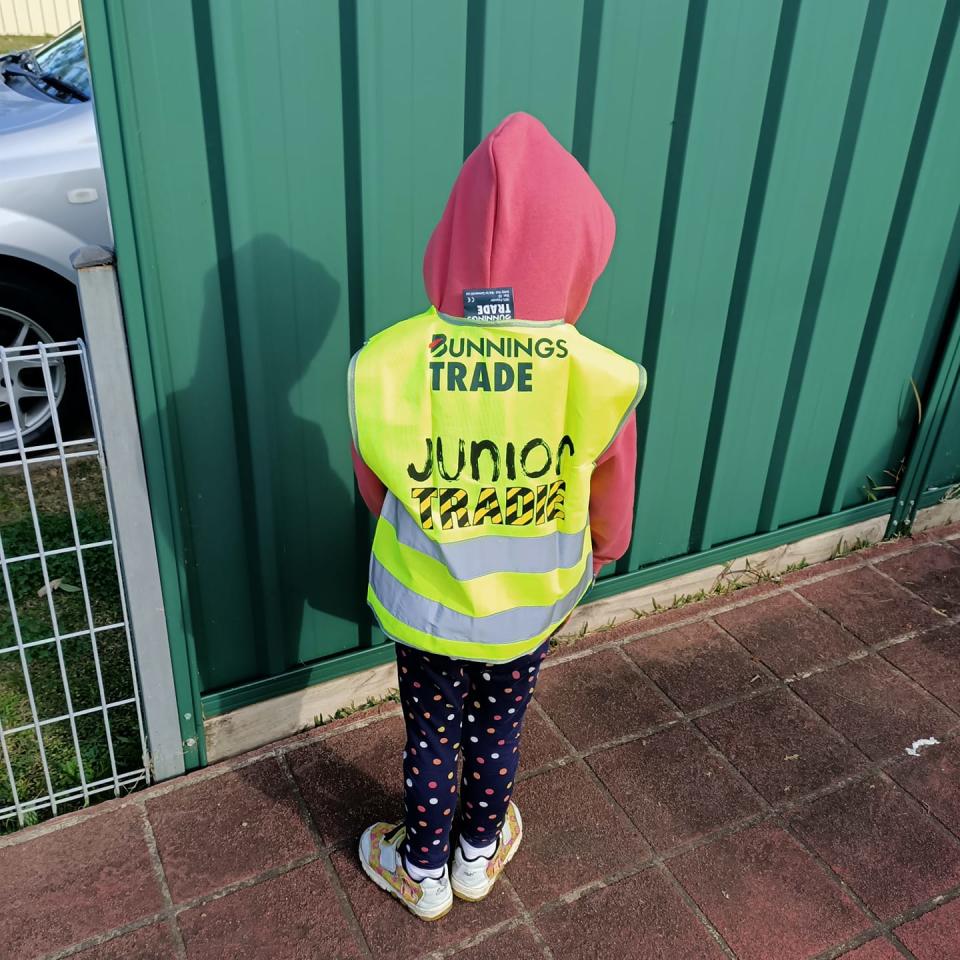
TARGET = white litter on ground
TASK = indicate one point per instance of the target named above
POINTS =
(914, 751)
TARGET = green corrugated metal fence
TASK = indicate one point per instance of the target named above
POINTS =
(785, 182)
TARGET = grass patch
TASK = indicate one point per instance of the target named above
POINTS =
(393, 696)
(728, 581)
(36, 611)
(16, 44)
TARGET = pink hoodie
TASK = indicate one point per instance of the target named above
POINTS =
(523, 213)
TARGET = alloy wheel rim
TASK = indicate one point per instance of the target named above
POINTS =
(30, 396)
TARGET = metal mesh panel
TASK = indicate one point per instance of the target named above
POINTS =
(71, 723)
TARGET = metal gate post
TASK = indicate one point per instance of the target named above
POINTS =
(120, 440)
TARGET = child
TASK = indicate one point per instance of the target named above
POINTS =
(498, 448)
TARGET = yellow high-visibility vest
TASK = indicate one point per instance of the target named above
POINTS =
(485, 434)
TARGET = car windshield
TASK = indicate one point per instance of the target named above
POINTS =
(66, 59)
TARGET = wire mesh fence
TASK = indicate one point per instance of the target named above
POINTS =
(71, 722)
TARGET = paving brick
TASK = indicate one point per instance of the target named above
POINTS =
(352, 779)
(767, 896)
(673, 788)
(295, 916)
(539, 744)
(874, 950)
(600, 697)
(250, 821)
(147, 943)
(640, 918)
(932, 572)
(63, 887)
(517, 943)
(781, 746)
(869, 605)
(933, 660)
(932, 778)
(788, 635)
(872, 835)
(837, 565)
(571, 836)
(696, 665)
(392, 931)
(875, 706)
(935, 935)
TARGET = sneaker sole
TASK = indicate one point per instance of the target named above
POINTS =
(476, 899)
(383, 885)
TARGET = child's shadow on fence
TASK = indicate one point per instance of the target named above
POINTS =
(266, 527)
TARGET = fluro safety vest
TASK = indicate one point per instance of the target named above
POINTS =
(485, 434)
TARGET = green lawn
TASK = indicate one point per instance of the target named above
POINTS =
(10, 44)
(44, 662)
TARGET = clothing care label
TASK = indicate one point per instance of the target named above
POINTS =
(494, 303)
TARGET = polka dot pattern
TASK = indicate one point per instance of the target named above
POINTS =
(467, 715)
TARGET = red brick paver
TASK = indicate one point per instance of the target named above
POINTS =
(572, 835)
(870, 606)
(673, 788)
(933, 661)
(540, 744)
(890, 852)
(875, 706)
(933, 573)
(252, 823)
(788, 635)
(697, 665)
(935, 935)
(781, 746)
(641, 918)
(148, 943)
(738, 778)
(287, 917)
(767, 896)
(933, 778)
(347, 781)
(599, 698)
(66, 886)
(512, 943)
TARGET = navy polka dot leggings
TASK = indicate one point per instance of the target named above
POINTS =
(453, 707)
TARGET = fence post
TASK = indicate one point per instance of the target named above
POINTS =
(945, 378)
(120, 439)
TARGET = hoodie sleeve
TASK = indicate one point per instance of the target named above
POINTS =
(612, 495)
(371, 489)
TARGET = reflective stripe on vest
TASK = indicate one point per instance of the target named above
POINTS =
(483, 555)
(507, 627)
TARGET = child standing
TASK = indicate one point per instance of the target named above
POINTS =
(497, 445)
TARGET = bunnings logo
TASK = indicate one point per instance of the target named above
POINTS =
(510, 347)
(480, 372)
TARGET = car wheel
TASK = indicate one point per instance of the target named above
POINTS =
(39, 309)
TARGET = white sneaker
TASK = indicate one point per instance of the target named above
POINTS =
(382, 862)
(474, 879)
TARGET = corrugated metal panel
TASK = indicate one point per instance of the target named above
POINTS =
(945, 468)
(34, 18)
(784, 181)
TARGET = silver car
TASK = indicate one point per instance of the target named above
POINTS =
(52, 201)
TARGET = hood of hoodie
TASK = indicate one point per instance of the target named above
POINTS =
(524, 214)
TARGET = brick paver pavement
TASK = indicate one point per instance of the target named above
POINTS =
(731, 779)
